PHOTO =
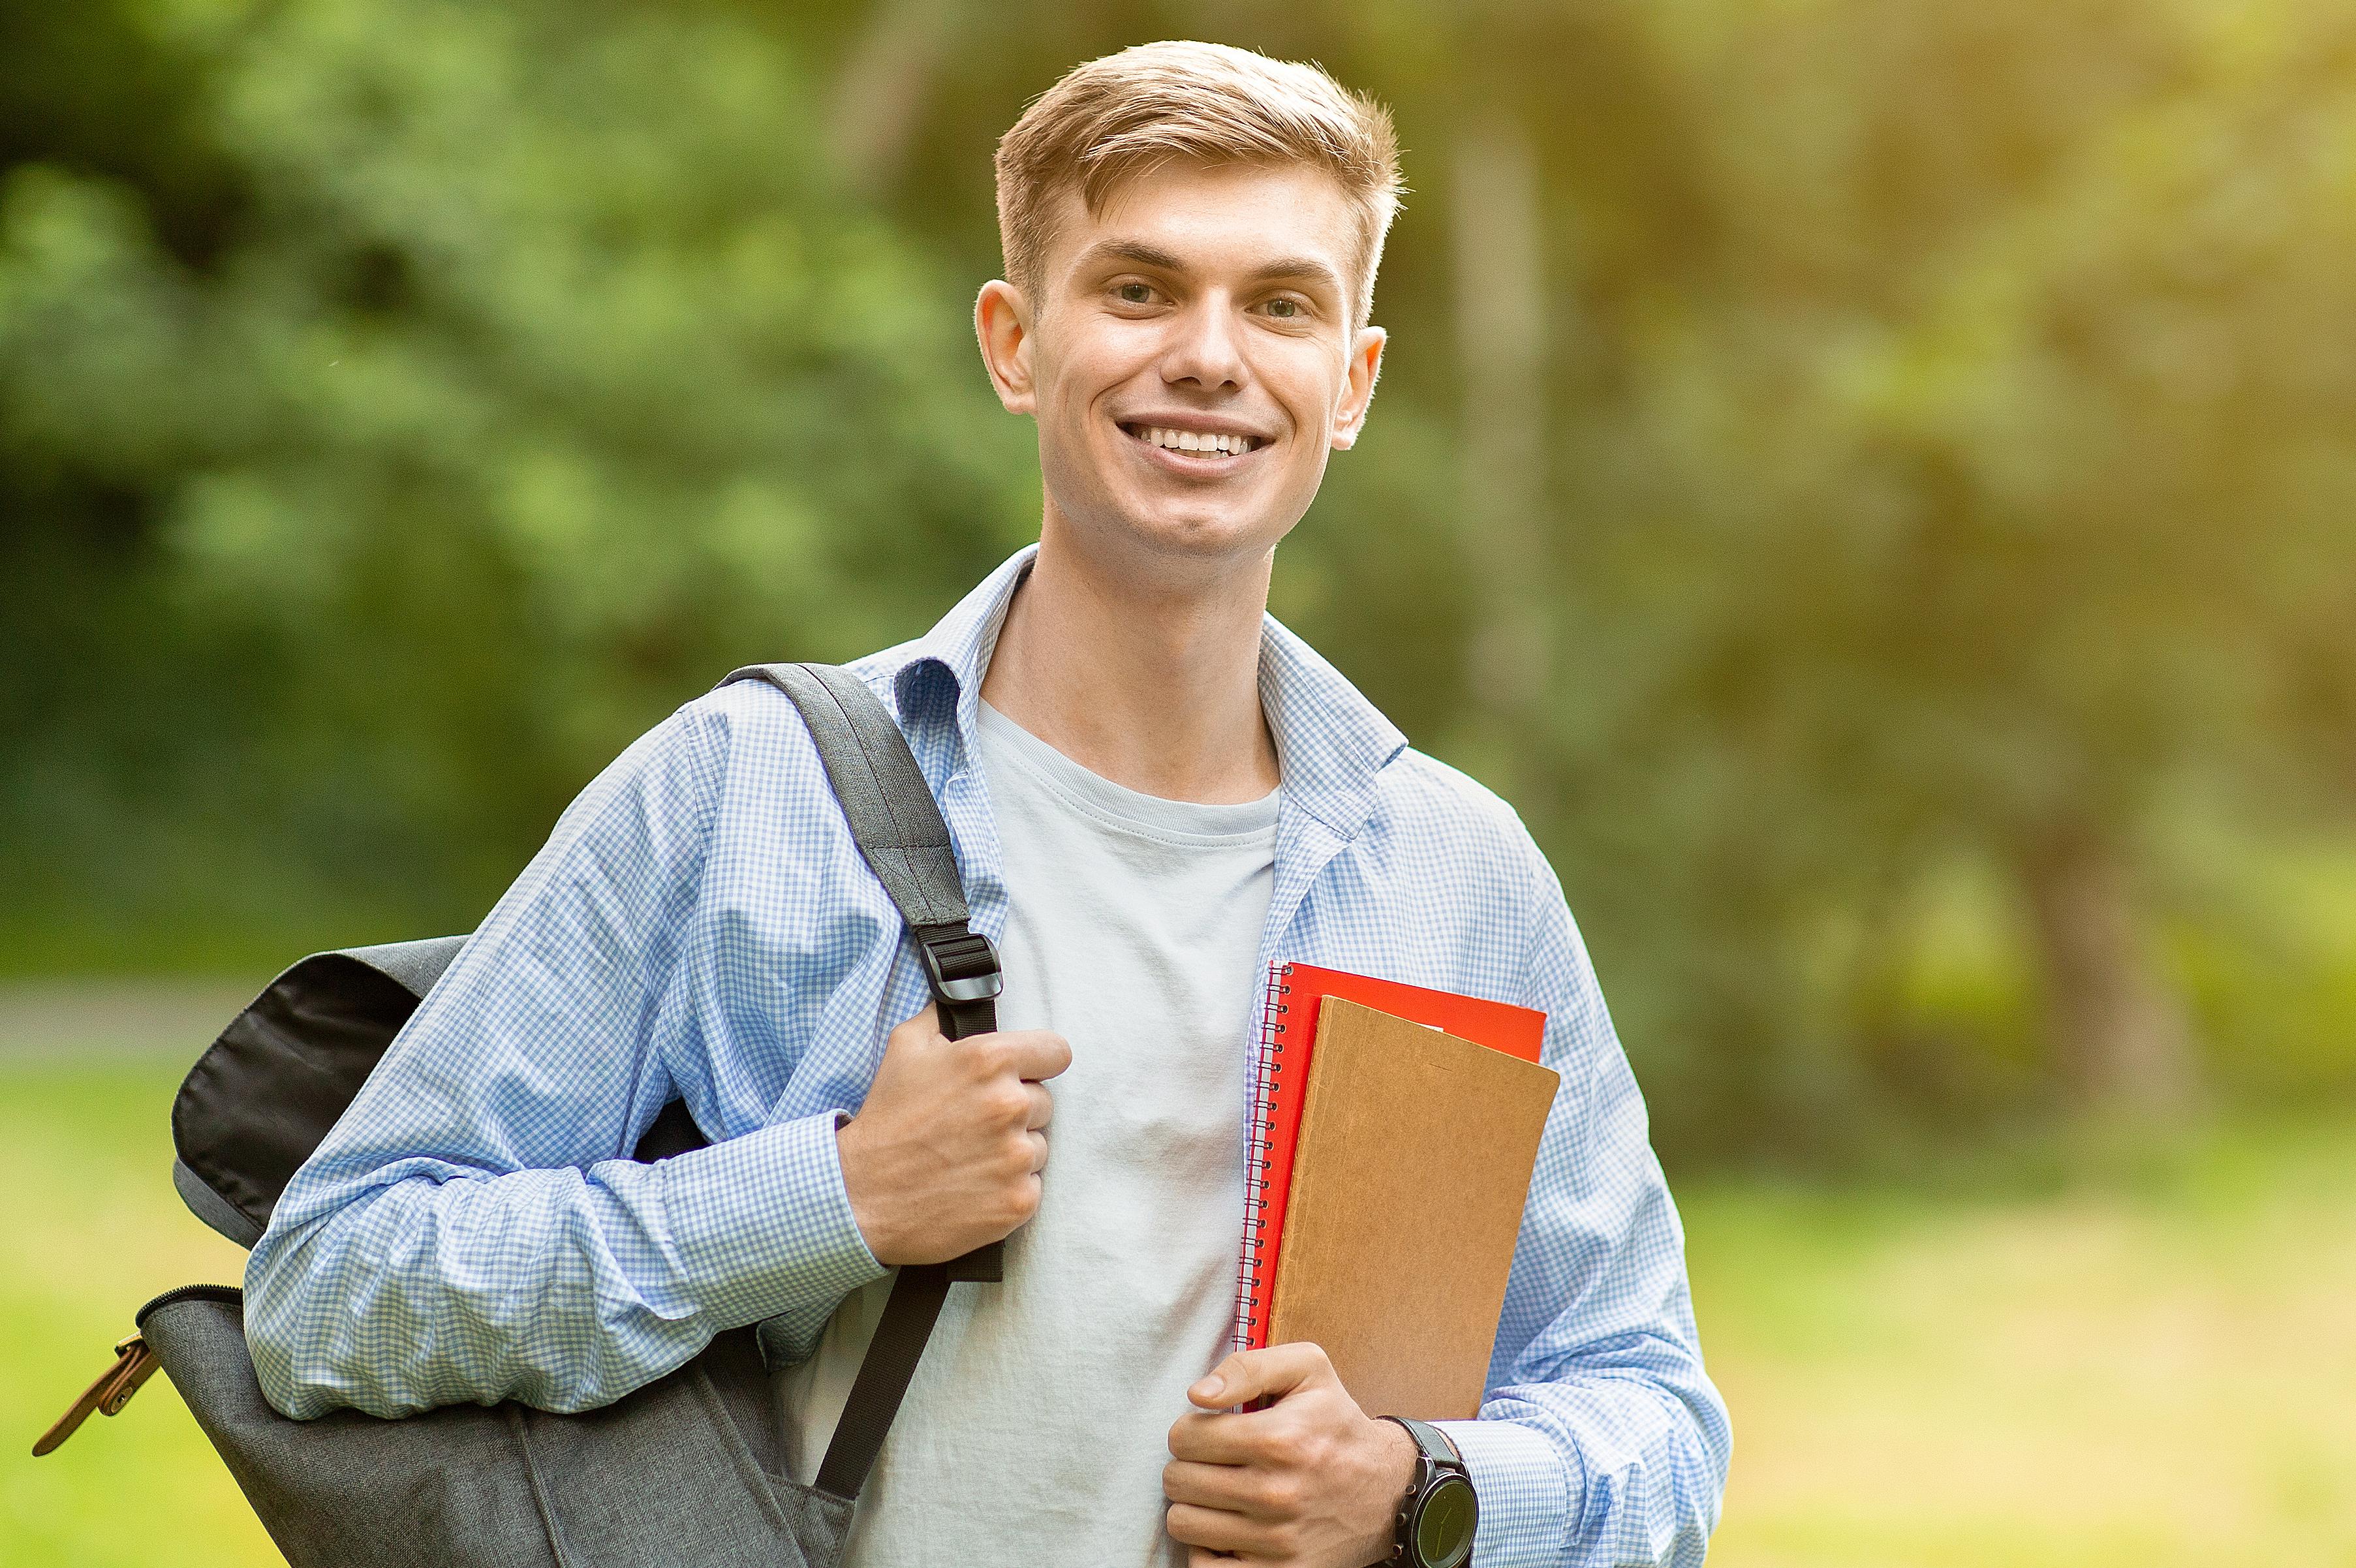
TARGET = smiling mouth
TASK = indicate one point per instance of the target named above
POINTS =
(1199, 445)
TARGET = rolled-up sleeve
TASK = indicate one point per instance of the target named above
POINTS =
(1600, 1440)
(473, 1228)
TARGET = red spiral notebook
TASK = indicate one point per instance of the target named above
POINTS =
(1288, 1040)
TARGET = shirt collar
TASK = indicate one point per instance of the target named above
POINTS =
(1331, 741)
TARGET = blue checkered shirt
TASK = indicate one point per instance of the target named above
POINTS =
(701, 926)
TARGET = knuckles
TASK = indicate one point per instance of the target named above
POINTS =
(911, 1033)
(1022, 1202)
(1004, 1102)
(1305, 1444)
(1283, 1495)
(986, 1055)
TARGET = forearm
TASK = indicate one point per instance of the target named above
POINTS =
(1604, 1442)
(417, 1284)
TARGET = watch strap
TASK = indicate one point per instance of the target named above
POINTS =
(1435, 1444)
(1438, 1460)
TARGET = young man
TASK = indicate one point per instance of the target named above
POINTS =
(1154, 790)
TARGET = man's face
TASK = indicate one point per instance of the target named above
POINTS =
(1191, 360)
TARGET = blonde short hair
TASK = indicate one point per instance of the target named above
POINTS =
(1113, 119)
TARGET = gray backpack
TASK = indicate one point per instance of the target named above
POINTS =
(688, 1471)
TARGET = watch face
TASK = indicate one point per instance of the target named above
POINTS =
(1443, 1525)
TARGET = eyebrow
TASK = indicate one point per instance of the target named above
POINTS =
(1306, 268)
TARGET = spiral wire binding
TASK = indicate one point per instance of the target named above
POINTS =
(1266, 1071)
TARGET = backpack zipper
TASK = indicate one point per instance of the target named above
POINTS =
(227, 1292)
(135, 1363)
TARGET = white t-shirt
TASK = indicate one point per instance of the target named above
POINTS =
(1034, 1433)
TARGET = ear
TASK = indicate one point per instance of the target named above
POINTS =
(1358, 390)
(1002, 320)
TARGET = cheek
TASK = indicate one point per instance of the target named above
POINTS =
(1309, 398)
(1105, 353)
(1064, 403)
(1076, 395)
(1308, 378)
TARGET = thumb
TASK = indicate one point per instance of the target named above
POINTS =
(1249, 1376)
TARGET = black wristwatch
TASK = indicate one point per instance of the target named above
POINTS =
(1437, 1516)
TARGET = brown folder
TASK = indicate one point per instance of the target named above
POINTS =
(1409, 1179)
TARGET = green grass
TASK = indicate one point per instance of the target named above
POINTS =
(2151, 1367)
(95, 1230)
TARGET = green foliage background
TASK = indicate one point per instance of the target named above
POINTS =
(1873, 480)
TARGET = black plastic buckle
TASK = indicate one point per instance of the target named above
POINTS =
(961, 968)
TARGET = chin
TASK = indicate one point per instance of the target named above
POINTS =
(1204, 526)
(1200, 535)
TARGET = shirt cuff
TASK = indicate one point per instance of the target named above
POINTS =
(762, 1224)
(1525, 1496)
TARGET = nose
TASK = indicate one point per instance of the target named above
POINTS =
(1204, 347)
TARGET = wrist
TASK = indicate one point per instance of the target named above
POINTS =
(1393, 1475)
(1437, 1511)
(850, 1151)
(1398, 1452)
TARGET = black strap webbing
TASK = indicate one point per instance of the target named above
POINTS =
(898, 826)
(900, 1333)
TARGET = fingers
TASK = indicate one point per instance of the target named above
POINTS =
(945, 1151)
(1233, 1488)
(1250, 1375)
(1032, 1054)
(1214, 1529)
(1035, 1054)
(1213, 1439)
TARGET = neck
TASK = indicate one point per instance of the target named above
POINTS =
(1152, 686)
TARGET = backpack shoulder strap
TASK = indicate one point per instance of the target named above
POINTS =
(898, 827)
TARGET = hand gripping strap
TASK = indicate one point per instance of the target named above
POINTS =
(898, 826)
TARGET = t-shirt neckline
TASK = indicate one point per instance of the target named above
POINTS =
(1118, 806)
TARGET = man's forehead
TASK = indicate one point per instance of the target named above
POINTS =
(1292, 220)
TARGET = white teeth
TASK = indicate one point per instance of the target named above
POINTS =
(1192, 440)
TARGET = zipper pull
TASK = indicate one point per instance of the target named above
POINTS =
(135, 1363)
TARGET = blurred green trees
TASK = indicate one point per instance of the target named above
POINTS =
(1874, 481)
(536, 371)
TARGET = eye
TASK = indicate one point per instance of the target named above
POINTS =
(1286, 309)
(1134, 293)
